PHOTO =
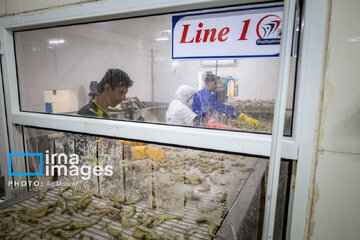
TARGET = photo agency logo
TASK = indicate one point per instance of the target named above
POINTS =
(17, 154)
(62, 164)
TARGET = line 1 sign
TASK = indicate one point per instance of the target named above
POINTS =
(232, 33)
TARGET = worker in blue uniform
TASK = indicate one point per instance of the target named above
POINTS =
(205, 103)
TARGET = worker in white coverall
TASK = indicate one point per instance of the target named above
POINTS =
(179, 112)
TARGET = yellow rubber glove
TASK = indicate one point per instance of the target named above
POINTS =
(138, 152)
(155, 154)
(253, 122)
(130, 143)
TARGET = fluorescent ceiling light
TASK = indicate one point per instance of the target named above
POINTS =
(355, 39)
(56, 41)
(166, 31)
(163, 35)
(162, 38)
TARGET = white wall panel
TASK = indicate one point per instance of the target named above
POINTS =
(257, 76)
(341, 108)
(85, 56)
(2, 7)
(336, 197)
(18, 6)
(335, 205)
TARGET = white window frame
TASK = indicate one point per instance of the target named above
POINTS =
(249, 143)
(305, 117)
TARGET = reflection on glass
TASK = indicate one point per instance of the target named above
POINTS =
(175, 192)
(70, 70)
(110, 153)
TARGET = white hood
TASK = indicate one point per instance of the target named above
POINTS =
(184, 93)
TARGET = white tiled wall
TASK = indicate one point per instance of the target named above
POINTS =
(341, 121)
(336, 202)
(337, 196)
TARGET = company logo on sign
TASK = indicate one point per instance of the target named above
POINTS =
(244, 32)
(268, 30)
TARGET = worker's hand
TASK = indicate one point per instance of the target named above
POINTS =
(253, 122)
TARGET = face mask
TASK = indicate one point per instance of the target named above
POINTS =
(190, 101)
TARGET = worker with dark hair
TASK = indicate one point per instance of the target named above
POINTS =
(205, 103)
(112, 90)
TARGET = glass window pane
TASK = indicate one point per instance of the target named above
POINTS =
(69, 70)
(162, 190)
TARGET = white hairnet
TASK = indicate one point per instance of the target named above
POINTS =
(184, 93)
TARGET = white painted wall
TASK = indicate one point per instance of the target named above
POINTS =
(335, 210)
(8, 7)
(90, 49)
(257, 76)
(86, 54)
(2, 7)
